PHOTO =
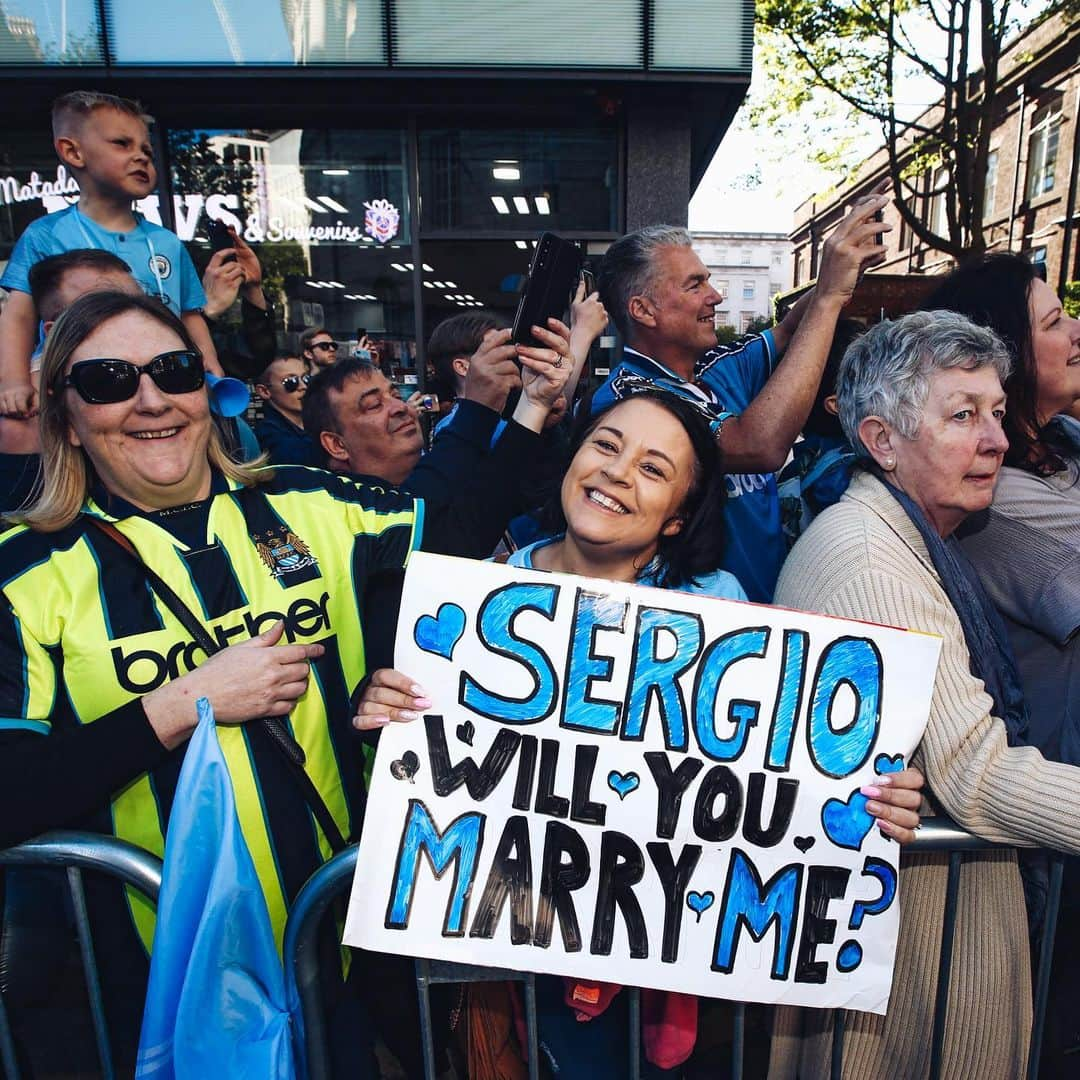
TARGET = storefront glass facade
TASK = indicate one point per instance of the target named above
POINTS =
(331, 214)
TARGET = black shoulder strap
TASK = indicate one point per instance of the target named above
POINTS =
(278, 734)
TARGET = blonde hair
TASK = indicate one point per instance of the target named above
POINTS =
(70, 110)
(66, 471)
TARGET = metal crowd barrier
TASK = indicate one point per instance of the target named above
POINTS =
(942, 834)
(76, 852)
(332, 880)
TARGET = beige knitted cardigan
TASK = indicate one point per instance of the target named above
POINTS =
(863, 559)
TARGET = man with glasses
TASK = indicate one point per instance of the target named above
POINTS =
(281, 434)
(318, 348)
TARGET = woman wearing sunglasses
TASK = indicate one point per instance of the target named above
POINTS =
(143, 529)
(280, 432)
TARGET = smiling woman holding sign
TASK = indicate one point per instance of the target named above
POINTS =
(641, 501)
(921, 401)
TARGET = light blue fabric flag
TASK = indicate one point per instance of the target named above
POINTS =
(215, 1006)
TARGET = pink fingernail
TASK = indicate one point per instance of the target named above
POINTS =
(871, 792)
(408, 714)
(422, 703)
(418, 691)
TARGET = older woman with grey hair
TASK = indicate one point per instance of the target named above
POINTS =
(921, 401)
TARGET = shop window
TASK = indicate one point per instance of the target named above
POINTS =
(519, 182)
(749, 289)
(246, 32)
(32, 183)
(327, 212)
(1043, 149)
(50, 32)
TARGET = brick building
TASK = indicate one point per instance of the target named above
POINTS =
(1031, 177)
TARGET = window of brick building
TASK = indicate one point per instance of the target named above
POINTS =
(1043, 149)
(990, 186)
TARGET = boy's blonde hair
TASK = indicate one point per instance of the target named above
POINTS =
(70, 110)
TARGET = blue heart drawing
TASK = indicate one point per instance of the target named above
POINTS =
(700, 902)
(885, 764)
(847, 823)
(622, 784)
(439, 633)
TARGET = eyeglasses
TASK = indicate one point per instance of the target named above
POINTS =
(291, 383)
(331, 345)
(105, 382)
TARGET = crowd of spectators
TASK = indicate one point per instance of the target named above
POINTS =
(923, 473)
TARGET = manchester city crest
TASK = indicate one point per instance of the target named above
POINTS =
(283, 555)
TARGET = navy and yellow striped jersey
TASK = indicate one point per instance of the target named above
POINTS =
(82, 634)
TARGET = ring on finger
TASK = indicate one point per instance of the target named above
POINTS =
(558, 361)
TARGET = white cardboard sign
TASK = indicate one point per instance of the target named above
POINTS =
(640, 786)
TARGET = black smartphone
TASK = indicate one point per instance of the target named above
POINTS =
(553, 276)
(220, 237)
(590, 280)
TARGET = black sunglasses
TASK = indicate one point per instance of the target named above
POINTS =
(291, 383)
(325, 345)
(105, 382)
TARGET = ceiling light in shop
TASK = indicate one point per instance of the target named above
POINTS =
(451, 297)
(439, 284)
(521, 204)
(449, 284)
(429, 269)
(428, 285)
(333, 204)
(335, 285)
(500, 204)
(506, 172)
(398, 266)
(543, 206)
(311, 204)
(335, 172)
(315, 284)
(523, 244)
(469, 296)
(409, 266)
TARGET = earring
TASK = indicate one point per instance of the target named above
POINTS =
(890, 463)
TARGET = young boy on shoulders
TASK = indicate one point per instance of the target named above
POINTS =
(105, 143)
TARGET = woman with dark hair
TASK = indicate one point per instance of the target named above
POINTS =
(642, 500)
(1026, 549)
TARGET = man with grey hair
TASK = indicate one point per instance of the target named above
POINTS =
(657, 290)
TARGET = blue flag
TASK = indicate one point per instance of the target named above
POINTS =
(216, 1001)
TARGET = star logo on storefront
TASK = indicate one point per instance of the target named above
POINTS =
(283, 554)
(381, 220)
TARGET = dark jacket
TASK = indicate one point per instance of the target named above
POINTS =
(284, 441)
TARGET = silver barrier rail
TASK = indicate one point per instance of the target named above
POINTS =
(331, 881)
(76, 852)
(943, 834)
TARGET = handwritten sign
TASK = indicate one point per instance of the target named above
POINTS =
(640, 786)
